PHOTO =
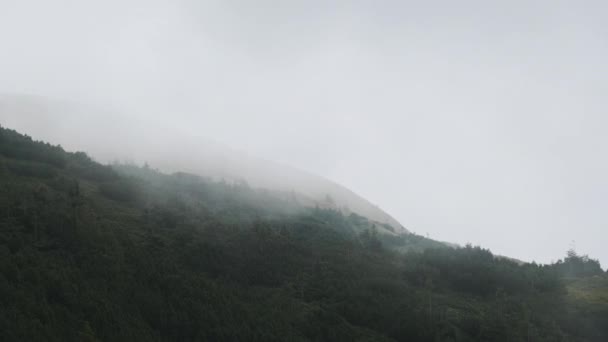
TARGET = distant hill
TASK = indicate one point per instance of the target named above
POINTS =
(61, 121)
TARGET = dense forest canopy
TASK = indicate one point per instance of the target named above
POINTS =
(92, 252)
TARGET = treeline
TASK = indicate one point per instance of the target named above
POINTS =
(94, 253)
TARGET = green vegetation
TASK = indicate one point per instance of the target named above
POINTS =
(125, 253)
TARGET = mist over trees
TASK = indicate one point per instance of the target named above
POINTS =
(186, 170)
(121, 253)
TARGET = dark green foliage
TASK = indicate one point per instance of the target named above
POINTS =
(84, 167)
(89, 253)
(478, 272)
(16, 146)
(575, 265)
(124, 190)
(31, 169)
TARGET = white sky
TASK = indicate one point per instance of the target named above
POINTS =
(472, 121)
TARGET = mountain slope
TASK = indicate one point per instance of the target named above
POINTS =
(170, 152)
(94, 253)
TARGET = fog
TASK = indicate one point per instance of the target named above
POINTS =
(472, 121)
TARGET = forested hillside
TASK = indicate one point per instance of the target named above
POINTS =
(90, 252)
(170, 150)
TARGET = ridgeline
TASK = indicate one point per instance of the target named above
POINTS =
(92, 252)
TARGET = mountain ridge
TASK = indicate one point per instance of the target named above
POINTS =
(92, 252)
(212, 160)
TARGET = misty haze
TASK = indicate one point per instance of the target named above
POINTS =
(303, 170)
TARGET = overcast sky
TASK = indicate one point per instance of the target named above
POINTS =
(470, 121)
